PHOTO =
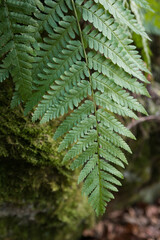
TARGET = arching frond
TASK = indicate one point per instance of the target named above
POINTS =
(77, 58)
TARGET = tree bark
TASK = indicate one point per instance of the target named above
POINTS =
(39, 197)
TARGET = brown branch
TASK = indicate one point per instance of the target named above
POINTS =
(143, 119)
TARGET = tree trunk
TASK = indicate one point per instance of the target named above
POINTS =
(39, 197)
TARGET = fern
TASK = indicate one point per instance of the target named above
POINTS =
(143, 4)
(139, 16)
(49, 67)
(111, 29)
(81, 62)
(124, 16)
(16, 41)
(4, 73)
(116, 74)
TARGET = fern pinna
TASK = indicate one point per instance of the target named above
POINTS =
(78, 58)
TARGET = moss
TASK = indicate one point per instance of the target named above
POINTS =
(39, 198)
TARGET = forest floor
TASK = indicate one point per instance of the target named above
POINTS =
(140, 222)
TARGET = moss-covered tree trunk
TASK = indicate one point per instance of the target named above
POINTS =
(39, 198)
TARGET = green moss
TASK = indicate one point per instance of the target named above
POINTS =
(39, 198)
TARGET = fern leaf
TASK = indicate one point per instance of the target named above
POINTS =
(97, 41)
(54, 70)
(87, 169)
(121, 78)
(16, 100)
(102, 100)
(71, 99)
(78, 58)
(110, 169)
(112, 30)
(79, 114)
(115, 151)
(51, 13)
(143, 4)
(108, 177)
(116, 93)
(15, 45)
(111, 158)
(122, 15)
(55, 42)
(4, 73)
(98, 193)
(138, 16)
(110, 121)
(83, 158)
(83, 144)
(114, 138)
(79, 131)
(70, 78)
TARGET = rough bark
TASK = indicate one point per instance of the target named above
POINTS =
(39, 198)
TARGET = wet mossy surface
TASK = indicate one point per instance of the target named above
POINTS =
(39, 197)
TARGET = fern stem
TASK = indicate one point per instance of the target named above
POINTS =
(90, 79)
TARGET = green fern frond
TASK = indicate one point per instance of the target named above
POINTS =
(4, 73)
(111, 158)
(87, 169)
(83, 158)
(82, 145)
(52, 12)
(79, 131)
(122, 15)
(77, 116)
(88, 129)
(39, 5)
(143, 4)
(78, 58)
(112, 123)
(112, 30)
(138, 14)
(70, 78)
(112, 51)
(114, 138)
(16, 49)
(106, 103)
(55, 43)
(112, 149)
(69, 101)
(16, 100)
(54, 69)
(113, 72)
(116, 93)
